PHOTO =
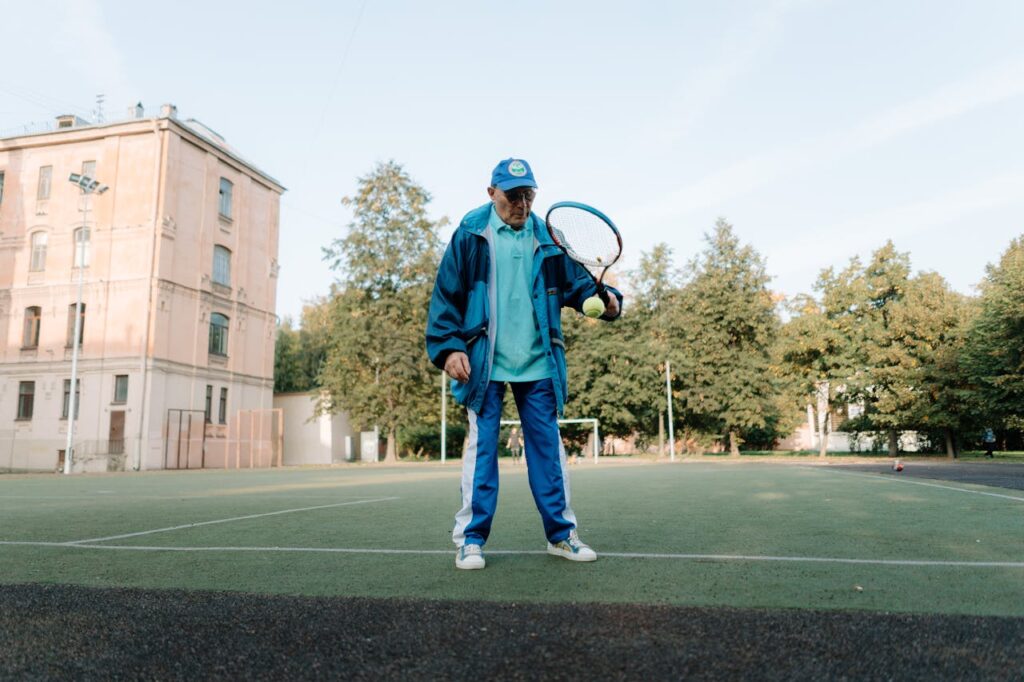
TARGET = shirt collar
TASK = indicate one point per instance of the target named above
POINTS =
(498, 225)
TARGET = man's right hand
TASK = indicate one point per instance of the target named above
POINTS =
(457, 366)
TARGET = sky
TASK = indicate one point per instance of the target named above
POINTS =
(818, 128)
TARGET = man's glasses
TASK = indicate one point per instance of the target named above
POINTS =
(520, 194)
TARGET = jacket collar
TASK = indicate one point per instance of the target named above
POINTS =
(477, 220)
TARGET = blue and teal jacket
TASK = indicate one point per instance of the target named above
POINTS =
(461, 309)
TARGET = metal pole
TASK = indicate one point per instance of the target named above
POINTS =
(72, 403)
(280, 438)
(444, 417)
(595, 442)
(668, 397)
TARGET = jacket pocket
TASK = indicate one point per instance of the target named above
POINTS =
(558, 353)
(471, 335)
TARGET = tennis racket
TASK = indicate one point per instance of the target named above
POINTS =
(587, 236)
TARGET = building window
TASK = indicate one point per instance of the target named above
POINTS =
(209, 403)
(218, 334)
(221, 266)
(45, 178)
(71, 326)
(26, 398)
(30, 338)
(1, 187)
(83, 247)
(39, 240)
(67, 397)
(225, 197)
(121, 388)
(89, 169)
(222, 412)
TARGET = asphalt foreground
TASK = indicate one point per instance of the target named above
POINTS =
(65, 632)
(994, 474)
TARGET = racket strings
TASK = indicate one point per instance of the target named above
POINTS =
(586, 238)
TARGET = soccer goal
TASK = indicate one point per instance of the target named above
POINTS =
(593, 422)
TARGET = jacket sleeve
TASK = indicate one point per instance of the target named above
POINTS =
(447, 306)
(579, 286)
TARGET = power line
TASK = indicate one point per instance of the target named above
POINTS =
(41, 100)
(335, 82)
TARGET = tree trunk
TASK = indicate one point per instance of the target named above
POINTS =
(950, 444)
(390, 454)
(823, 411)
(894, 443)
(811, 429)
(734, 446)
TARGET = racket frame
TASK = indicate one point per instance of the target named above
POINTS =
(598, 279)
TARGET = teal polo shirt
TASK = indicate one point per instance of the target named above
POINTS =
(518, 351)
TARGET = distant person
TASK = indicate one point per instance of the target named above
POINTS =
(495, 320)
(515, 445)
(990, 443)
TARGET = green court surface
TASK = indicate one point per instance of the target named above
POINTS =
(707, 533)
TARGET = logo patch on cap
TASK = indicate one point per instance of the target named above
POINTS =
(517, 168)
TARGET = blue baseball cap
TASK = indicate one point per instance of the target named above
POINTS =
(512, 173)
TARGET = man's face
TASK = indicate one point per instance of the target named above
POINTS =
(513, 206)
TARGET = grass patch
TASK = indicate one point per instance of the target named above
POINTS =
(706, 511)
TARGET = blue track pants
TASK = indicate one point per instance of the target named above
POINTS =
(545, 461)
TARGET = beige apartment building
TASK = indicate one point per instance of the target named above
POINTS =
(179, 259)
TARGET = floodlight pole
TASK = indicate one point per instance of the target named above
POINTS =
(89, 186)
(444, 416)
(668, 397)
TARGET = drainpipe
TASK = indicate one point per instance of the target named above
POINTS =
(158, 165)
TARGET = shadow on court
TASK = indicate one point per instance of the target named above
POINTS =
(61, 632)
(995, 474)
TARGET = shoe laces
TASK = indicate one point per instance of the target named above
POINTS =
(472, 550)
(574, 541)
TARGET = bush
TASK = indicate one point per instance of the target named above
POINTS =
(425, 441)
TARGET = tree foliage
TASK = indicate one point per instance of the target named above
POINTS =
(899, 351)
(722, 332)
(376, 369)
(994, 351)
(300, 354)
(888, 343)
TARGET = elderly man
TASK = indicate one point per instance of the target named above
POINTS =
(495, 319)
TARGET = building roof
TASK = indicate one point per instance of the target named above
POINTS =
(187, 128)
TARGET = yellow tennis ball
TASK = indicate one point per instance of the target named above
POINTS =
(593, 307)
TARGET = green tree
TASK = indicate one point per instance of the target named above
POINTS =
(314, 340)
(299, 354)
(725, 325)
(659, 284)
(931, 324)
(877, 380)
(886, 342)
(809, 348)
(375, 368)
(610, 374)
(288, 376)
(994, 348)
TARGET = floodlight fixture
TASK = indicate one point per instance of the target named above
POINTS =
(87, 184)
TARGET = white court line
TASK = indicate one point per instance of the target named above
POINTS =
(510, 552)
(893, 479)
(235, 518)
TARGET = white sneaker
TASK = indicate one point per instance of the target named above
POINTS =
(470, 557)
(573, 549)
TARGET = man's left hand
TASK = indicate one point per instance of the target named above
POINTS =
(611, 308)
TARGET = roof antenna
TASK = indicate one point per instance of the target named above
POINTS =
(98, 114)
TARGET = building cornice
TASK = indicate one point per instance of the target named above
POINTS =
(127, 365)
(140, 126)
